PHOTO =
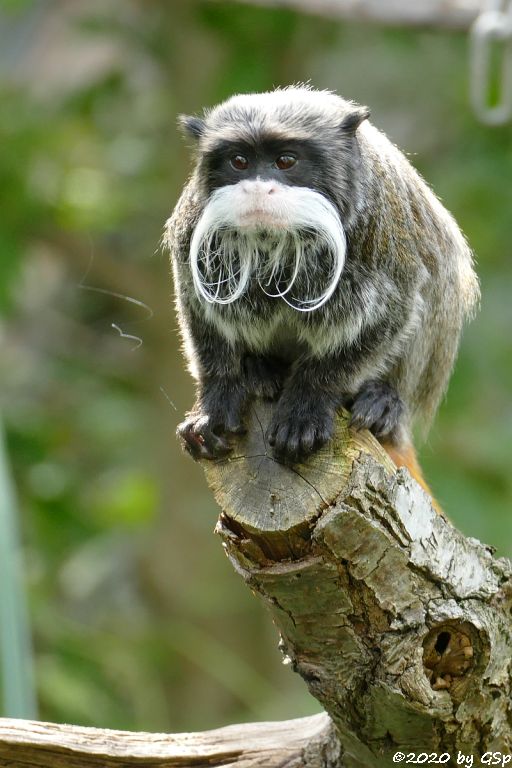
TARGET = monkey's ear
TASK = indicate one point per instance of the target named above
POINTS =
(354, 118)
(192, 126)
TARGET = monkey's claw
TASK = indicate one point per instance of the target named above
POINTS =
(202, 441)
(377, 407)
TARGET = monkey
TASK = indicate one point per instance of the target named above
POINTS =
(313, 266)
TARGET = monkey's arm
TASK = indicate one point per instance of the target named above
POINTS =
(355, 377)
(356, 372)
(227, 376)
(221, 394)
(214, 362)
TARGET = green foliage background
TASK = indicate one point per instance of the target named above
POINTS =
(138, 620)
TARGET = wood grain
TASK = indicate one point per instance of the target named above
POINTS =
(269, 745)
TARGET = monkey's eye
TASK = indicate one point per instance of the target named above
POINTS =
(239, 163)
(285, 162)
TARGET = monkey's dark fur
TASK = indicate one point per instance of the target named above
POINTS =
(385, 341)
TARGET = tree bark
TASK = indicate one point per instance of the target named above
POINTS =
(400, 626)
(454, 14)
(308, 742)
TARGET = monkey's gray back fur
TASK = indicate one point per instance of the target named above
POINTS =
(408, 282)
(414, 236)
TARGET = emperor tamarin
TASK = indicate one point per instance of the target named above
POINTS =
(312, 265)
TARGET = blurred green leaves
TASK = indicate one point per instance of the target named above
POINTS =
(20, 140)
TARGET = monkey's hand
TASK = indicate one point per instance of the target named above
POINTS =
(217, 415)
(302, 423)
(379, 408)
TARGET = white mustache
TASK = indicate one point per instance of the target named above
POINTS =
(233, 245)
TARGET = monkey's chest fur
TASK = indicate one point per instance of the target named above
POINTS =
(278, 310)
(265, 325)
(264, 322)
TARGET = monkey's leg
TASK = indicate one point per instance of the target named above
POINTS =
(304, 418)
(379, 408)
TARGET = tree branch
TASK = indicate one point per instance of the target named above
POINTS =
(454, 14)
(399, 625)
(307, 742)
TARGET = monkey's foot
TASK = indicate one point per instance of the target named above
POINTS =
(377, 407)
(299, 428)
(202, 440)
(265, 376)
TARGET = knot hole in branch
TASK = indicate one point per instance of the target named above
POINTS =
(450, 651)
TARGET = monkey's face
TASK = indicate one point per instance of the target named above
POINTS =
(267, 185)
(267, 177)
(265, 224)
(271, 217)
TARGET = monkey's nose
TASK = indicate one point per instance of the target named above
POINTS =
(259, 187)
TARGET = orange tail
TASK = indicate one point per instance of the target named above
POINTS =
(406, 457)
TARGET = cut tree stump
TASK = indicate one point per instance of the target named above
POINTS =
(400, 626)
